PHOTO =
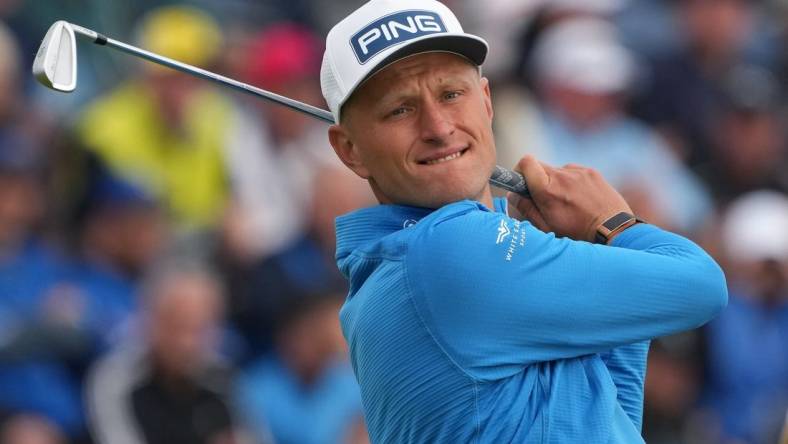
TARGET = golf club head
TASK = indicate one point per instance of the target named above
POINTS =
(55, 65)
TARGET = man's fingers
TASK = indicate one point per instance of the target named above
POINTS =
(535, 173)
(528, 211)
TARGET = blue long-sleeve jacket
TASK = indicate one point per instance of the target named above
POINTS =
(468, 326)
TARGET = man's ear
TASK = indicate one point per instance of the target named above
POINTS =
(487, 96)
(346, 150)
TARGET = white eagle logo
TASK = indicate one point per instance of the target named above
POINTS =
(503, 231)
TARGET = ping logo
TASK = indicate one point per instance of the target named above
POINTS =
(392, 29)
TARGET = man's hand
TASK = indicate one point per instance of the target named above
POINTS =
(571, 201)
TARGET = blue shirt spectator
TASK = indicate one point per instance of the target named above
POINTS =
(629, 154)
(747, 354)
(304, 392)
(32, 379)
(748, 363)
(321, 413)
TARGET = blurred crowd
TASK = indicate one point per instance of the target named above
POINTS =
(166, 246)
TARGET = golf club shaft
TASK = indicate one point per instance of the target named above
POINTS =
(100, 39)
(501, 177)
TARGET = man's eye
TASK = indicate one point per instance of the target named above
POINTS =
(451, 95)
(398, 111)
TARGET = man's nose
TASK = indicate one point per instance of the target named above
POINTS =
(436, 123)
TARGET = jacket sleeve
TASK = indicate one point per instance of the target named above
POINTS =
(498, 292)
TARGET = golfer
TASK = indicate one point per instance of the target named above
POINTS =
(467, 324)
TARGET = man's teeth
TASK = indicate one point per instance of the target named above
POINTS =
(444, 159)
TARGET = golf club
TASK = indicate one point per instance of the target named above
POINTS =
(55, 67)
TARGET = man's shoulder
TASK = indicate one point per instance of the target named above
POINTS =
(392, 232)
(461, 228)
(460, 211)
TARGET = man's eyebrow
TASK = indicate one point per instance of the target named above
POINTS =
(395, 97)
(405, 94)
(458, 80)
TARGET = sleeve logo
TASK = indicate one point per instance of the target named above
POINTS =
(512, 238)
(393, 29)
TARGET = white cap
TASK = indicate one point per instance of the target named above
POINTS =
(584, 54)
(383, 31)
(755, 227)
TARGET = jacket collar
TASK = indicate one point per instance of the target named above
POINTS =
(367, 225)
(370, 224)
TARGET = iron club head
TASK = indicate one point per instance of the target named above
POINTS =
(55, 65)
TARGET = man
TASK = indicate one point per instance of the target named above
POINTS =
(304, 391)
(686, 82)
(168, 385)
(583, 76)
(465, 324)
(272, 153)
(171, 140)
(747, 365)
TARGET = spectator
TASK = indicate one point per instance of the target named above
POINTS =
(542, 14)
(747, 358)
(685, 87)
(120, 232)
(170, 387)
(164, 131)
(582, 75)
(672, 391)
(750, 144)
(305, 391)
(260, 292)
(36, 339)
(274, 151)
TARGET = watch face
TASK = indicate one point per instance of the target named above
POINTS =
(617, 220)
(613, 224)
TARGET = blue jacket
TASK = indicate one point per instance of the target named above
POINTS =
(468, 326)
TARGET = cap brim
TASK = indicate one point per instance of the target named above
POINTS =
(471, 47)
(466, 45)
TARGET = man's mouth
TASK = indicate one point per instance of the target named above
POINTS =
(444, 158)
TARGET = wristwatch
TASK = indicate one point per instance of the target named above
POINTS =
(613, 226)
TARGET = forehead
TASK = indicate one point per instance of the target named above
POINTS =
(439, 65)
(422, 63)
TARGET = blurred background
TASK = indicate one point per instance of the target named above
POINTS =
(166, 247)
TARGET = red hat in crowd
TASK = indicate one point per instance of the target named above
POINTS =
(282, 53)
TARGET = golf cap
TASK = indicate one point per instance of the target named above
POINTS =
(755, 227)
(584, 54)
(382, 32)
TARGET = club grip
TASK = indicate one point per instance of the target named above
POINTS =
(509, 181)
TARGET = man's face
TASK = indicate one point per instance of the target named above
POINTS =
(420, 131)
(184, 316)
